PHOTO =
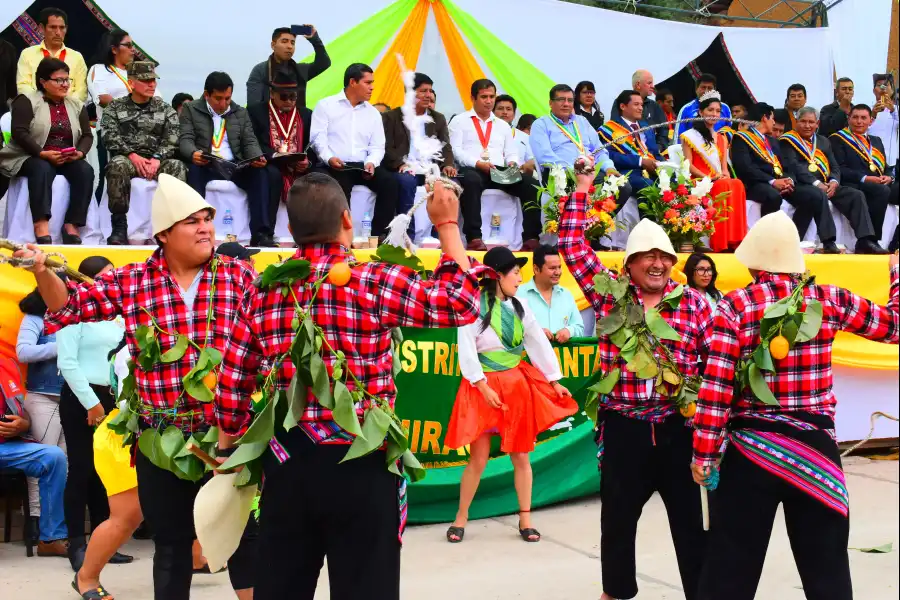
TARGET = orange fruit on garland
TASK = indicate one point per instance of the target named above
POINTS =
(688, 410)
(209, 380)
(339, 274)
(779, 347)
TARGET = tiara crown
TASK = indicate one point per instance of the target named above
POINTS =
(711, 95)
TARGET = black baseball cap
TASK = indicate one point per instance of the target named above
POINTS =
(501, 258)
(235, 250)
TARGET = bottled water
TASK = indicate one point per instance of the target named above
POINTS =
(228, 226)
(366, 226)
(495, 226)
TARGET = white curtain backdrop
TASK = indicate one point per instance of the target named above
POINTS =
(860, 31)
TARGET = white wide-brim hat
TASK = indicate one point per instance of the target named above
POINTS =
(772, 245)
(174, 201)
(647, 236)
(220, 517)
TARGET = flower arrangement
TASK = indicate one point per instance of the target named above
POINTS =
(601, 202)
(688, 212)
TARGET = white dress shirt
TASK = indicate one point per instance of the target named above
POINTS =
(225, 150)
(885, 127)
(466, 143)
(538, 348)
(523, 146)
(101, 80)
(350, 133)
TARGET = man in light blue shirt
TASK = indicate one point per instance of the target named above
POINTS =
(553, 305)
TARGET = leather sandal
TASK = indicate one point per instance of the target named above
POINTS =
(455, 534)
(530, 534)
(98, 593)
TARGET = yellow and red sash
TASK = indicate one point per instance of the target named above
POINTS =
(218, 138)
(809, 152)
(760, 145)
(728, 132)
(627, 142)
(122, 79)
(862, 145)
(574, 135)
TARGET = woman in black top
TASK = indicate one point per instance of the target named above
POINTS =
(586, 104)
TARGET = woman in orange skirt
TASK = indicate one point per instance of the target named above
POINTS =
(707, 152)
(500, 393)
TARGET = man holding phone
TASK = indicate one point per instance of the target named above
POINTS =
(284, 44)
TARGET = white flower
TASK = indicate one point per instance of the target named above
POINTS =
(665, 180)
(702, 188)
(557, 181)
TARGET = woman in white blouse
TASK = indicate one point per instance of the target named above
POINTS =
(106, 82)
(502, 395)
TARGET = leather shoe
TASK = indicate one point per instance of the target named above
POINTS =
(830, 248)
(476, 245)
(71, 239)
(43, 240)
(868, 246)
(54, 548)
(263, 241)
(530, 245)
(120, 559)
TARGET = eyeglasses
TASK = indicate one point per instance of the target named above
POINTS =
(61, 81)
(127, 44)
(285, 96)
(703, 271)
(565, 100)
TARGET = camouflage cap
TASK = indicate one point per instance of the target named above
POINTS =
(142, 70)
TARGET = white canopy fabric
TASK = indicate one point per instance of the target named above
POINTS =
(568, 42)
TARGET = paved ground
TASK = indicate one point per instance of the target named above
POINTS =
(493, 564)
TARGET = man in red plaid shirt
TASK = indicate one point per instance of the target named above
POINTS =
(643, 441)
(313, 505)
(177, 286)
(785, 452)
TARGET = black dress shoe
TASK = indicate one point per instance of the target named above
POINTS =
(868, 246)
(830, 248)
(120, 559)
(263, 241)
(43, 240)
(71, 239)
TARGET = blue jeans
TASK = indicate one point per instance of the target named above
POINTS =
(48, 464)
(407, 198)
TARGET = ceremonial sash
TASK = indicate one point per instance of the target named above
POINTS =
(62, 55)
(484, 136)
(284, 137)
(508, 327)
(124, 80)
(632, 144)
(218, 138)
(729, 133)
(708, 153)
(574, 136)
(760, 145)
(862, 145)
(810, 153)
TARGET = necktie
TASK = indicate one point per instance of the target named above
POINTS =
(637, 136)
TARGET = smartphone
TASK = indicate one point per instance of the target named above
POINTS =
(303, 30)
(69, 150)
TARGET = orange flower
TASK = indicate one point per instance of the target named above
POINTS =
(671, 214)
(692, 201)
(609, 205)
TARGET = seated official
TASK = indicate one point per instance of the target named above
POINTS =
(666, 101)
(810, 158)
(758, 162)
(51, 134)
(862, 162)
(586, 104)
(140, 132)
(633, 153)
(480, 142)
(553, 305)
(706, 83)
(738, 111)
(505, 108)
(284, 44)
(561, 137)
(782, 123)
(794, 100)
(401, 161)
(216, 126)
(281, 127)
(348, 135)
(46, 463)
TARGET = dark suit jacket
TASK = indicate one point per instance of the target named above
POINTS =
(853, 166)
(197, 131)
(799, 166)
(653, 115)
(396, 138)
(259, 118)
(750, 168)
(832, 119)
(632, 162)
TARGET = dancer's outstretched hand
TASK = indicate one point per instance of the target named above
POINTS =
(561, 390)
(443, 206)
(701, 474)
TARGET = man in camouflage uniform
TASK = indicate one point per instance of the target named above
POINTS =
(140, 132)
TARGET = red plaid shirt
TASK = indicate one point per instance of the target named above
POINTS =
(356, 318)
(690, 319)
(803, 381)
(150, 285)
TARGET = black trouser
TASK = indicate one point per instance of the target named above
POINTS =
(474, 182)
(276, 186)
(384, 185)
(41, 173)
(878, 196)
(255, 183)
(809, 202)
(312, 508)
(102, 160)
(83, 485)
(747, 500)
(168, 506)
(641, 458)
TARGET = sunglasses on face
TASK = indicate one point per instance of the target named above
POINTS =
(286, 96)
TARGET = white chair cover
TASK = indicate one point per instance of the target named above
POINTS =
(92, 233)
(282, 233)
(845, 235)
(511, 218)
(19, 225)
(140, 229)
(362, 201)
(891, 219)
(224, 196)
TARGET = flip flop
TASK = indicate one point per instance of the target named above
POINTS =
(98, 593)
(528, 533)
(459, 532)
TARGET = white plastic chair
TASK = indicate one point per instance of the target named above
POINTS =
(224, 196)
(511, 218)
(891, 219)
(140, 230)
(19, 225)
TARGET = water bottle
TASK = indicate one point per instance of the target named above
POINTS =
(495, 226)
(228, 226)
(366, 226)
